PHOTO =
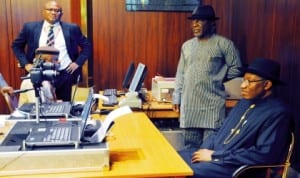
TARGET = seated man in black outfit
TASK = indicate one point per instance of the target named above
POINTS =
(256, 131)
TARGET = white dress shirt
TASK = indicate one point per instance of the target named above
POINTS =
(59, 43)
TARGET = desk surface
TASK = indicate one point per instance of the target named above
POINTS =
(137, 149)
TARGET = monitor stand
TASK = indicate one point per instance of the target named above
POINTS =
(132, 100)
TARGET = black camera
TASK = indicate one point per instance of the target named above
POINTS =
(40, 63)
(38, 75)
(42, 71)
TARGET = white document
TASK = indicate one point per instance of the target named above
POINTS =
(110, 118)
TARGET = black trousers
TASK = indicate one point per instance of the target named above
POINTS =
(63, 85)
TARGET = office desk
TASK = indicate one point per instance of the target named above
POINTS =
(137, 149)
(152, 108)
(161, 110)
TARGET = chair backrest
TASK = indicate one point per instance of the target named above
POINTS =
(266, 171)
(288, 158)
(79, 94)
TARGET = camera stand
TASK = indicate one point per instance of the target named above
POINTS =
(38, 74)
(37, 103)
(37, 110)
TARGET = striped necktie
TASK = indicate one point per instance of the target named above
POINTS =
(50, 38)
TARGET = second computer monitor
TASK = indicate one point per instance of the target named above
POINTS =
(138, 78)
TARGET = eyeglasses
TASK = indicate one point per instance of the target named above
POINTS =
(247, 82)
(53, 10)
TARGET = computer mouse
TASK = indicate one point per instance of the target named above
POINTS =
(77, 109)
(89, 126)
(89, 130)
(105, 111)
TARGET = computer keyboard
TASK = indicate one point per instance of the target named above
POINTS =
(112, 100)
(110, 91)
(54, 109)
(59, 134)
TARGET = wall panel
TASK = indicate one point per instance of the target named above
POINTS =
(6, 67)
(153, 38)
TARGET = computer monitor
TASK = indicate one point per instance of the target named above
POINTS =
(138, 78)
(128, 76)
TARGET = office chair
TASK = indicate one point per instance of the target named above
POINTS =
(266, 171)
(79, 94)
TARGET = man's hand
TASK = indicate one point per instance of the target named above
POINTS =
(28, 67)
(176, 107)
(72, 67)
(7, 89)
(202, 155)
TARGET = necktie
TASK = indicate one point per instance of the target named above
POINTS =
(50, 38)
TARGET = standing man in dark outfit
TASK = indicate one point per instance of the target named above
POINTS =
(65, 37)
(256, 131)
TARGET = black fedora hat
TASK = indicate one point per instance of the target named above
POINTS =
(203, 12)
(266, 68)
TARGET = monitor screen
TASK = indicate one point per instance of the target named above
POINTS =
(138, 78)
(128, 76)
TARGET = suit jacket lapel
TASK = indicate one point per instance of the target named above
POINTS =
(37, 33)
(66, 33)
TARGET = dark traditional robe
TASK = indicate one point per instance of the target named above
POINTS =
(263, 138)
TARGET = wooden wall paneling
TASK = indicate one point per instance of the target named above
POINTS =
(7, 67)
(6, 64)
(159, 43)
(223, 9)
(140, 36)
(283, 48)
(176, 31)
(4, 47)
(252, 28)
(287, 49)
(293, 66)
(146, 41)
(294, 78)
(122, 50)
(111, 54)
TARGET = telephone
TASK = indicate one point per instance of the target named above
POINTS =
(132, 100)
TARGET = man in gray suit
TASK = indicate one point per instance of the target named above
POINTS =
(66, 37)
